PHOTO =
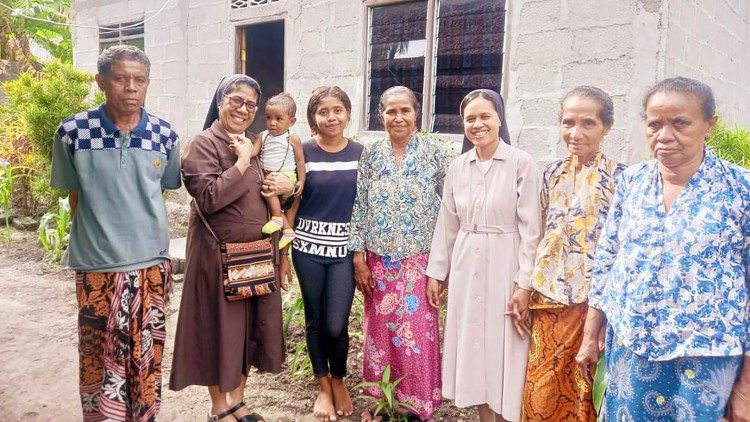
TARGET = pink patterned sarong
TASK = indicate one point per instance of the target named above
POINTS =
(401, 329)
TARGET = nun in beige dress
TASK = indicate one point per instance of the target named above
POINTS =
(485, 240)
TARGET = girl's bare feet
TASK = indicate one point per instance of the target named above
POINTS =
(341, 397)
(323, 408)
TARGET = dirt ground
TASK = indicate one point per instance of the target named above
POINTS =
(39, 361)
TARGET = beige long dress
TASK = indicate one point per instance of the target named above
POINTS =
(485, 239)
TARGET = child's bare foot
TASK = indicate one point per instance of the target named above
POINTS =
(341, 397)
(323, 408)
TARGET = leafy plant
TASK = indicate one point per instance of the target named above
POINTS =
(292, 310)
(17, 32)
(36, 106)
(731, 144)
(357, 314)
(452, 148)
(54, 230)
(6, 191)
(387, 405)
(600, 384)
(300, 364)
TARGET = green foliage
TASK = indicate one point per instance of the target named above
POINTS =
(600, 383)
(41, 103)
(36, 106)
(293, 307)
(19, 30)
(357, 314)
(6, 190)
(731, 144)
(300, 364)
(54, 230)
(452, 148)
(387, 404)
(292, 310)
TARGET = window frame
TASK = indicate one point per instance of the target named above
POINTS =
(121, 39)
(430, 64)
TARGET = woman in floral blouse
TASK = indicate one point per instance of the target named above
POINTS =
(672, 273)
(394, 214)
(576, 194)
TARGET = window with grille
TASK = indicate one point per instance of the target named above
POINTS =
(130, 33)
(463, 51)
(241, 4)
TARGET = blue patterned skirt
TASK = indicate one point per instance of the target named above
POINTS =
(684, 389)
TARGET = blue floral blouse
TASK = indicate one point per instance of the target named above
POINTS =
(676, 283)
(396, 207)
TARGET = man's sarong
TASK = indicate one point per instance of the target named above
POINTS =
(121, 333)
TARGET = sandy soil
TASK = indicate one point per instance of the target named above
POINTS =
(39, 361)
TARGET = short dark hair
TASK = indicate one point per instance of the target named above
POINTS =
(121, 52)
(285, 100)
(607, 111)
(317, 96)
(683, 85)
(396, 90)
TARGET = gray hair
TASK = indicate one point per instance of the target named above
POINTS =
(680, 84)
(235, 84)
(121, 52)
(607, 112)
(396, 90)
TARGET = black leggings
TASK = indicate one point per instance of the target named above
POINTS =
(327, 286)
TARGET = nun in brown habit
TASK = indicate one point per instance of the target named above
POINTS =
(217, 341)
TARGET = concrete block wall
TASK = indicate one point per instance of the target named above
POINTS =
(710, 41)
(210, 56)
(165, 44)
(555, 45)
(324, 46)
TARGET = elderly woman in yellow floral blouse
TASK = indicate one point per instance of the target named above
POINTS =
(575, 198)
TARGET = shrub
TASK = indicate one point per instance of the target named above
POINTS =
(36, 106)
(731, 144)
(54, 230)
(6, 190)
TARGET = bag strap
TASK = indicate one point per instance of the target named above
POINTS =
(203, 219)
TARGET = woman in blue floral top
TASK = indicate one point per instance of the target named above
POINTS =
(672, 273)
(394, 215)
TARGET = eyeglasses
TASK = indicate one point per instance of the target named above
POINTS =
(236, 102)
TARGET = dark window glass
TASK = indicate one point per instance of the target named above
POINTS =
(129, 33)
(397, 51)
(469, 56)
